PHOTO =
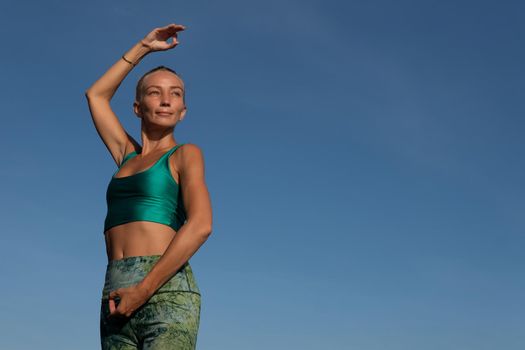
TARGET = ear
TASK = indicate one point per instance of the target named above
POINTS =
(136, 109)
(183, 113)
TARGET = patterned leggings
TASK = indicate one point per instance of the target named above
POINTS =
(170, 318)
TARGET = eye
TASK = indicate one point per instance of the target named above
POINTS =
(153, 92)
(177, 93)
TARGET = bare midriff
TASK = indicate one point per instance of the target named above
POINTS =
(137, 238)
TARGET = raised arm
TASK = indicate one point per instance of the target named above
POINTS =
(99, 95)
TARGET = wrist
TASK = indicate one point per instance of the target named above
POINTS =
(142, 49)
(136, 54)
(148, 287)
(145, 45)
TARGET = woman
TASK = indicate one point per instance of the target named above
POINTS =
(159, 210)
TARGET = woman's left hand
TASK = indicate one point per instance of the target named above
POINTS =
(131, 298)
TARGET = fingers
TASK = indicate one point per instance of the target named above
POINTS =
(111, 306)
(114, 310)
(173, 28)
(116, 307)
(157, 40)
(114, 296)
(166, 44)
(174, 41)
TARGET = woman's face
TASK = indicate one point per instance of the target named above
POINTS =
(162, 99)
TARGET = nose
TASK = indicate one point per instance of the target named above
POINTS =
(165, 99)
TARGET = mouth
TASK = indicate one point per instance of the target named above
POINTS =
(164, 113)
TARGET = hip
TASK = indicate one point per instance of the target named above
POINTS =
(123, 273)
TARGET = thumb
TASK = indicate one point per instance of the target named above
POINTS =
(112, 305)
(174, 43)
(114, 294)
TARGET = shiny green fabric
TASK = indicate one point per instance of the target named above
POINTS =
(150, 195)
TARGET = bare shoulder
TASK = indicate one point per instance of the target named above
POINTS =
(188, 158)
(190, 150)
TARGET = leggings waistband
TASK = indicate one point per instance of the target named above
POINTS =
(129, 271)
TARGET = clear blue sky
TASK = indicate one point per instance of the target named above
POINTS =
(365, 161)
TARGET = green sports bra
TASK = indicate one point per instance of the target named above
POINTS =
(149, 195)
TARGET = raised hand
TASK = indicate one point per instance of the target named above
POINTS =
(157, 40)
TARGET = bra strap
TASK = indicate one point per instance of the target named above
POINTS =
(126, 158)
(171, 151)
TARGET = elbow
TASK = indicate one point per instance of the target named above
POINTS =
(88, 94)
(202, 228)
(91, 93)
(206, 231)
